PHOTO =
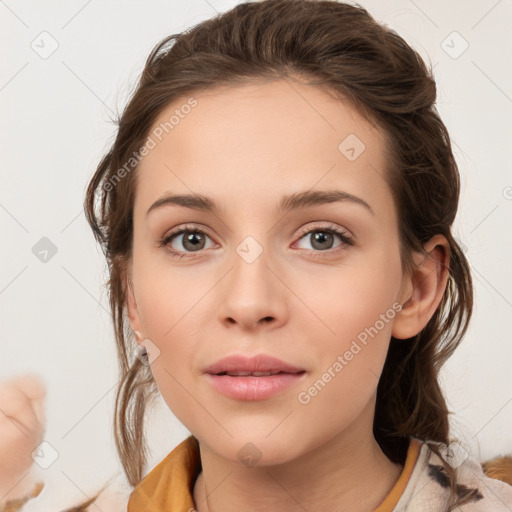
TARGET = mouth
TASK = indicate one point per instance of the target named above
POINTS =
(260, 377)
(257, 374)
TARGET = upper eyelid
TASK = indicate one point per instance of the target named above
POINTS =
(328, 226)
(303, 230)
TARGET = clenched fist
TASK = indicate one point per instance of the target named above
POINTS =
(22, 426)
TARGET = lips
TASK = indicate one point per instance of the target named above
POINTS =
(260, 365)
(260, 377)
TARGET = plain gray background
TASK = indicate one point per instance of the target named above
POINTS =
(55, 122)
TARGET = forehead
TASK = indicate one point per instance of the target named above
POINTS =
(262, 139)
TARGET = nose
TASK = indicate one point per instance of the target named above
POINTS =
(252, 296)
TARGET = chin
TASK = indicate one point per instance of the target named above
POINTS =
(250, 448)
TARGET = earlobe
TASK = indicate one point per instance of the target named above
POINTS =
(428, 282)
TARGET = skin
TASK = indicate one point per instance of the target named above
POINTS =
(22, 424)
(245, 147)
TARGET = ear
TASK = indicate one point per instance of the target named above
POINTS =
(131, 303)
(425, 288)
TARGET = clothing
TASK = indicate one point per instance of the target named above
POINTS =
(421, 486)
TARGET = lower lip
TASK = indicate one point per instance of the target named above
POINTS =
(252, 387)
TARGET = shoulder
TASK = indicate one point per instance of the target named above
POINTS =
(428, 487)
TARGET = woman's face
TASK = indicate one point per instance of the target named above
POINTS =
(262, 279)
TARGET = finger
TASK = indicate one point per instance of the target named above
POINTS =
(32, 384)
(22, 401)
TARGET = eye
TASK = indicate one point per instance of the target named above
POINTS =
(322, 238)
(186, 239)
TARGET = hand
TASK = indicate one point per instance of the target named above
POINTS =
(22, 426)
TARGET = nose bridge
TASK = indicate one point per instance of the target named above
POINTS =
(251, 275)
(251, 291)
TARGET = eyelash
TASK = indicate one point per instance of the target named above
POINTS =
(329, 228)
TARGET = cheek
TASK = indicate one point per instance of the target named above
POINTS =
(167, 318)
(168, 295)
(349, 299)
(349, 362)
(357, 307)
(174, 305)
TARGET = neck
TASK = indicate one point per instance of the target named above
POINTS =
(346, 473)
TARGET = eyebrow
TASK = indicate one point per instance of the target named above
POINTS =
(288, 203)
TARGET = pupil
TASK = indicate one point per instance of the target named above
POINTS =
(194, 239)
(321, 237)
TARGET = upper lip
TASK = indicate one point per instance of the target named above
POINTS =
(258, 363)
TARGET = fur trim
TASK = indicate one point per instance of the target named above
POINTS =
(499, 468)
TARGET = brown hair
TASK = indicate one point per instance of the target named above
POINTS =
(342, 48)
